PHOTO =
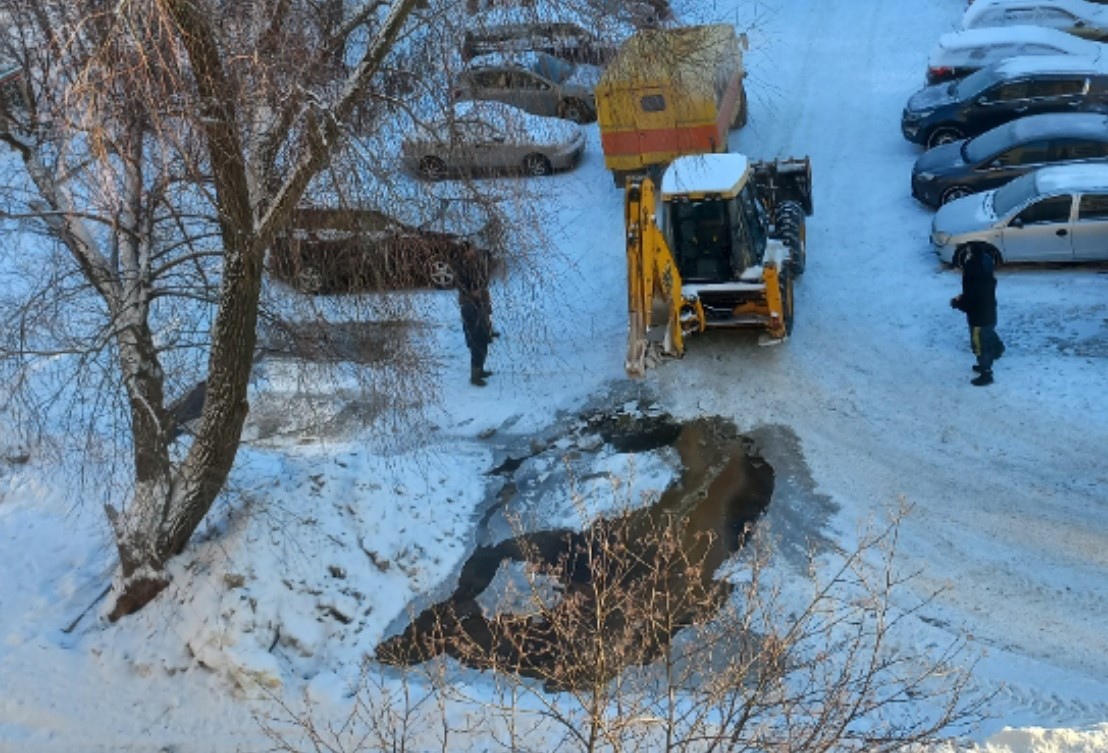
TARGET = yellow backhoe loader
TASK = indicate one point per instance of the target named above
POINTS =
(721, 249)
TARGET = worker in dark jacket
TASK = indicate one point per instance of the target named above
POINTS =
(978, 301)
(472, 276)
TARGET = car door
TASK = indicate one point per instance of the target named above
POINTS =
(1000, 103)
(1081, 150)
(1011, 163)
(1090, 228)
(1040, 231)
(533, 93)
(1056, 94)
(489, 147)
(491, 84)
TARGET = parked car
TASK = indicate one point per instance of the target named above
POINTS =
(960, 53)
(539, 28)
(536, 82)
(954, 170)
(346, 250)
(1079, 17)
(1004, 91)
(1053, 214)
(492, 137)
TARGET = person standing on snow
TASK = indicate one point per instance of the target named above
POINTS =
(978, 301)
(472, 276)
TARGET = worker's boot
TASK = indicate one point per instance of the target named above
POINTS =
(477, 377)
(986, 377)
(485, 373)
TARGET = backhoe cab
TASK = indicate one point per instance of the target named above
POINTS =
(709, 254)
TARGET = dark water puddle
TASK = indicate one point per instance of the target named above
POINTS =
(624, 586)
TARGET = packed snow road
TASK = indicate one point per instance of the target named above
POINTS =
(1007, 483)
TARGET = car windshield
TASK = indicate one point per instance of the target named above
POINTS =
(974, 84)
(987, 144)
(1014, 194)
(552, 68)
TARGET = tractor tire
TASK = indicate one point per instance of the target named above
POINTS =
(790, 228)
(785, 281)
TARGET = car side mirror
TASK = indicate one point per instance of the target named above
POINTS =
(982, 100)
(1016, 223)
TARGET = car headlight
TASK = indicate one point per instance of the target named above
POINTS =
(925, 177)
(940, 238)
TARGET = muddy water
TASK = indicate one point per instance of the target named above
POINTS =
(667, 553)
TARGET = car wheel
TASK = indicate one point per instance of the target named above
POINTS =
(944, 135)
(954, 192)
(575, 110)
(785, 281)
(309, 280)
(536, 164)
(441, 274)
(789, 227)
(432, 168)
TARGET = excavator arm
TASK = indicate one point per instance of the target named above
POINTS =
(653, 281)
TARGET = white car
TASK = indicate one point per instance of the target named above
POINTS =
(960, 53)
(1053, 214)
(1079, 17)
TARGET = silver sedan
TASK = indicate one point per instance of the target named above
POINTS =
(492, 137)
(1053, 214)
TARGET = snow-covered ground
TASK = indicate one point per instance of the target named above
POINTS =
(330, 537)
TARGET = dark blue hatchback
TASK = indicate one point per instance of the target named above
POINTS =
(960, 168)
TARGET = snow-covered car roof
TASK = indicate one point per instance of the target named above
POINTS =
(502, 117)
(979, 45)
(704, 173)
(517, 15)
(1079, 9)
(1076, 124)
(1023, 65)
(1080, 178)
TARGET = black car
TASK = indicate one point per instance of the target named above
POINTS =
(960, 168)
(1004, 91)
(340, 250)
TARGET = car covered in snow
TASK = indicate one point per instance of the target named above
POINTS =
(959, 168)
(1012, 88)
(1079, 17)
(536, 82)
(580, 38)
(960, 53)
(1053, 214)
(483, 137)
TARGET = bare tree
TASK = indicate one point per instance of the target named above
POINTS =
(165, 144)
